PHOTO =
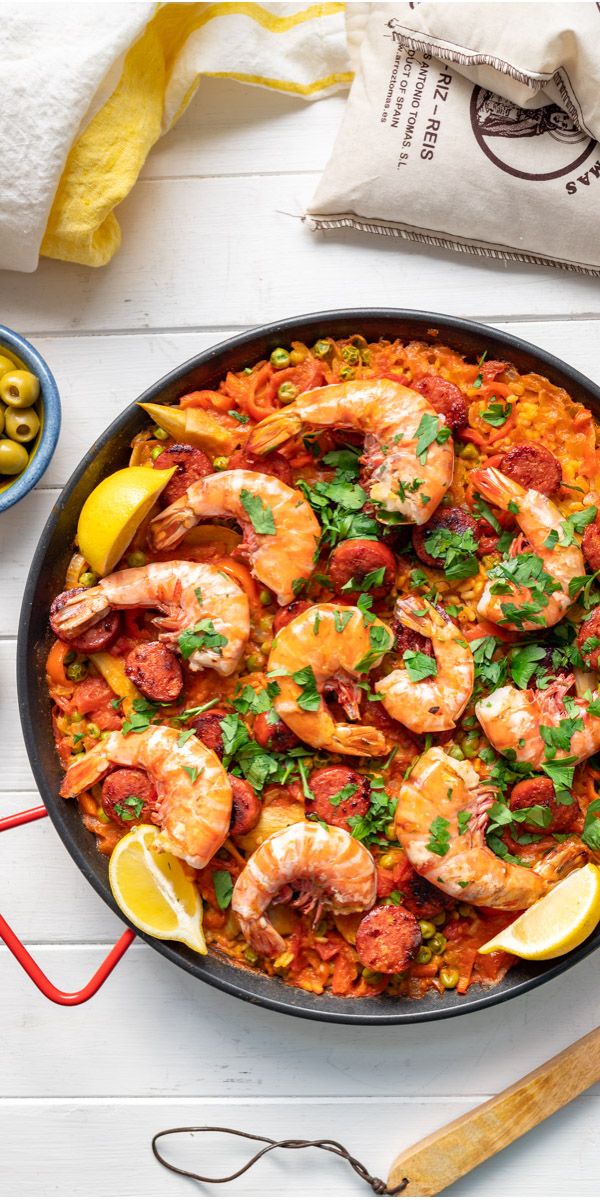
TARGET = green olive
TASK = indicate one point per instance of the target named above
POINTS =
(286, 392)
(423, 955)
(137, 558)
(280, 359)
(20, 389)
(88, 579)
(427, 929)
(6, 364)
(21, 424)
(13, 457)
(438, 943)
(321, 348)
(449, 977)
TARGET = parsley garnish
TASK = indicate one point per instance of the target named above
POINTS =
(463, 818)
(140, 719)
(431, 429)
(569, 527)
(309, 698)
(370, 580)
(382, 807)
(497, 413)
(419, 665)
(380, 641)
(439, 841)
(261, 517)
(241, 417)
(522, 663)
(591, 826)
(130, 808)
(457, 551)
(223, 885)
(201, 636)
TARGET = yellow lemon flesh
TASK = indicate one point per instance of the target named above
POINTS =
(114, 511)
(557, 923)
(154, 891)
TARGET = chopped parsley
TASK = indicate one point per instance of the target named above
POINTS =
(380, 641)
(340, 619)
(243, 418)
(497, 413)
(463, 818)
(201, 636)
(130, 809)
(418, 665)
(141, 718)
(407, 487)
(571, 526)
(591, 826)
(439, 841)
(522, 663)
(456, 550)
(193, 773)
(223, 885)
(338, 506)
(382, 807)
(261, 517)
(431, 429)
(309, 699)
(371, 580)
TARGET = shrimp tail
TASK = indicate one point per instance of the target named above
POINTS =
(170, 526)
(496, 487)
(81, 610)
(263, 937)
(420, 616)
(359, 740)
(273, 431)
(562, 861)
(85, 772)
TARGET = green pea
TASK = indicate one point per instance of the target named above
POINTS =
(351, 355)
(468, 452)
(470, 745)
(466, 910)
(321, 349)
(160, 434)
(423, 955)
(93, 730)
(22, 424)
(439, 919)
(76, 717)
(286, 392)
(388, 860)
(253, 662)
(456, 752)
(370, 976)
(155, 452)
(13, 457)
(250, 955)
(20, 389)
(427, 929)
(265, 597)
(220, 462)
(449, 977)
(137, 558)
(347, 373)
(88, 579)
(77, 671)
(279, 359)
(438, 943)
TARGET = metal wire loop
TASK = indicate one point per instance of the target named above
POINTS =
(376, 1185)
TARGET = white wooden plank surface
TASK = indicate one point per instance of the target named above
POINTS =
(209, 247)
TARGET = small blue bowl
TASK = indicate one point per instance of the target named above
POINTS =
(49, 410)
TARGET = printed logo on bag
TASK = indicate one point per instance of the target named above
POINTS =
(531, 143)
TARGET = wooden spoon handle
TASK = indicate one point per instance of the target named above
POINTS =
(440, 1159)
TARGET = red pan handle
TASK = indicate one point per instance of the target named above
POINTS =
(16, 947)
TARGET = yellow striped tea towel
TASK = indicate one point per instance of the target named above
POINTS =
(87, 90)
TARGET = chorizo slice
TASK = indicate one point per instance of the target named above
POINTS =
(245, 806)
(533, 466)
(283, 616)
(128, 796)
(421, 897)
(273, 734)
(268, 464)
(588, 640)
(540, 791)
(90, 641)
(456, 520)
(388, 938)
(192, 464)
(591, 544)
(446, 398)
(207, 727)
(409, 639)
(338, 794)
(155, 671)
(357, 558)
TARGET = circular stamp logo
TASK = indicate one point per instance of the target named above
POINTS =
(531, 143)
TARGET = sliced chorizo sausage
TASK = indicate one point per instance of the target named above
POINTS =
(128, 796)
(283, 616)
(446, 398)
(245, 806)
(409, 639)
(338, 794)
(388, 938)
(533, 466)
(155, 671)
(540, 791)
(357, 558)
(273, 734)
(268, 464)
(457, 520)
(421, 897)
(192, 464)
(591, 544)
(90, 641)
(588, 640)
(208, 728)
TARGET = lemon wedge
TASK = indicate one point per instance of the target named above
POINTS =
(114, 511)
(557, 923)
(154, 891)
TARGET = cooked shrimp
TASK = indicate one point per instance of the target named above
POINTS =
(328, 648)
(194, 597)
(542, 591)
(439, 789)
(436, 702)
(281, 532)
(193, 805)
(511, 720)
(327, 866)
(393, 419)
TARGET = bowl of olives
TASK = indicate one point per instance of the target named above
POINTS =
(29, 417)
